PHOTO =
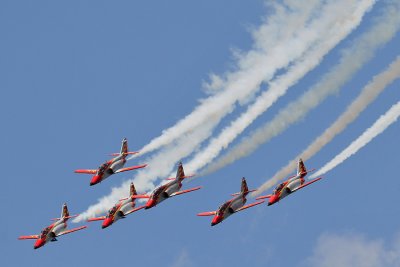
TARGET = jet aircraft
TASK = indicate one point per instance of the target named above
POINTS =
(53, 231)
(292, 184)
(112, 166)
(124, 207)
(232, 206)
(167, 190)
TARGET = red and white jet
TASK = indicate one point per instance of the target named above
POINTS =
(293, 184)
(56, 229)
(167, 190)
(112, 166)
(124, 207)
(232, 206)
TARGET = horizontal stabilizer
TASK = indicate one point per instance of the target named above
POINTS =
(134, 210)
(248, 191)
(185, 191)
(140, 196)
(207, 213)
(96, 219)
(306, 172)
(184, 177)
(250, 205)
(67, 217)
(130, 168)
(28, 237)
(127, 153)
(86, 171)
(264, 197)
(308, 183)
(72, 230)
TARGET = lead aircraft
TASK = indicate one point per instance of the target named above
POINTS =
(231, 206)
(292, 184)
(168, 190)
(112, 166)
(124, 207)
(56, 229)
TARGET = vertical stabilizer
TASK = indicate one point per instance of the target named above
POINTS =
(244, 189)
(124, 147)
(64, 211)
(180, 174)
(133, 190)
(301, 168)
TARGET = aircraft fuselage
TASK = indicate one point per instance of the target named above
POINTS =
(118, 211)
(163, 192)
(108, 168)
(228, 208)
(49, 233)
(285, 189)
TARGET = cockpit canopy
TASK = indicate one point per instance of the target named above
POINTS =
(222, 208)
(157, 192)
(278, 188)
(112, 211)
(45, 231)
(102, 168)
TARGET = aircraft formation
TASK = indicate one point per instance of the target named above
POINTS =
(126, 206)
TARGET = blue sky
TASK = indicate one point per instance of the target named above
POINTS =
(78, 77)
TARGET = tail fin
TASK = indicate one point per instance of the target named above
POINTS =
(124, 146)
(301, 168)
(244, 189)
(180, 174)
(64, 211)
(133, 190)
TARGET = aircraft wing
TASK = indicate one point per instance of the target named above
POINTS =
(86, 171)
(134, 210)
(249, 205)
(207, 213)
(308, 183)
(130, 168)
(96, 219)
(28, 237)
(72, 230)
(264, 197)
(185, 191)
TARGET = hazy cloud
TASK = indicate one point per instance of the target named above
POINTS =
(354, 250)
(183, 260)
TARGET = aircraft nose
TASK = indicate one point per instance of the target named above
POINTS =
(107, 222)
(216, 220)
(39, 243)
(95, 180)
(272, 200)
(150, 203)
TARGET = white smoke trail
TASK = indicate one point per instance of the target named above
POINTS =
(191, 130)
(255, 67)
(353, 58)
(278, 87)
(367, 95)
(292, 30)
(162, 165)
(377, 128)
